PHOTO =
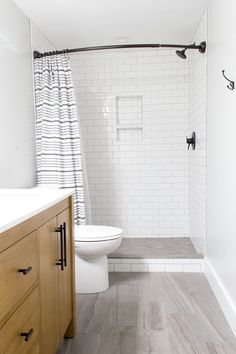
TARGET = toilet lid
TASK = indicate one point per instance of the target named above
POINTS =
(96, 233)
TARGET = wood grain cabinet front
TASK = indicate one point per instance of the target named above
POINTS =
(36, 349)
(21, 331)
(49, 286)
(65, 275)
(56, 281)
(18, 273)
(37, 298)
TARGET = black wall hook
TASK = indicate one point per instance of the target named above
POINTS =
(231, 85)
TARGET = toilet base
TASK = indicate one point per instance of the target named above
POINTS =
(91, 275)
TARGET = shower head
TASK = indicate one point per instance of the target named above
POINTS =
(181, 53)
(201, 48)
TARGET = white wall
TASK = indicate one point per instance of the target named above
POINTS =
(41, 44)
(197, 123)
(137, 174)
(17, 146)
(221, 147)
(38, 40)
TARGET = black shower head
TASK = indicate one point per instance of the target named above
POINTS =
(201, 48)
(181, 53)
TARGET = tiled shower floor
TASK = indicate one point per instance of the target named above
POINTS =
(156, 255)
(157, 248)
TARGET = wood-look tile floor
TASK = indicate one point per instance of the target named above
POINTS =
(152, 313)
(154, 248)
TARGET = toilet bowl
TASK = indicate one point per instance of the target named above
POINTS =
(92, 245)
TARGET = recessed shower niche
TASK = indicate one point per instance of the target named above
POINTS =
(129, 118)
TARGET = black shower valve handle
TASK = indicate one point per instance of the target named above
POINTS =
(188, 142)
(191, 141)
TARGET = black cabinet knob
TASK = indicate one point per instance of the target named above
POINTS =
(27, 335)
(25, 271)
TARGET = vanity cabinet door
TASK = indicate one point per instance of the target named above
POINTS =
(36, 349)
(20, 333)
(18, 273)
(48, 246)
(65, 275)
(56, 280)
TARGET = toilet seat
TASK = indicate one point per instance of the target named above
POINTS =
(96, 233)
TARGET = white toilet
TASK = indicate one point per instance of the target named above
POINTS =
(92, 245)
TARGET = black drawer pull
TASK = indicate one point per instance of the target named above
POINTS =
(27, 335)
(25, 271)
(61, 260)
(65, 245)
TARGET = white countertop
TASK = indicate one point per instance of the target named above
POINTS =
(18, 205)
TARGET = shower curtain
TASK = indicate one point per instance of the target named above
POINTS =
(59, 161)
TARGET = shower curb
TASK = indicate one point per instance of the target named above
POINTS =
(156, 265)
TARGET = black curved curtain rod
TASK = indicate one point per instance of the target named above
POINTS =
(119, 46)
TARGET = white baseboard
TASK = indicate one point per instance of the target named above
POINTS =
(225, 301)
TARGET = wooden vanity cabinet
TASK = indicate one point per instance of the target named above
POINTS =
(65, 277)
(42, 300)
(47, 238)
(55, 280)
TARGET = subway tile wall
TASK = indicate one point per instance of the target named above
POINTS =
(141, 185)
(136, 156)
(197, 123)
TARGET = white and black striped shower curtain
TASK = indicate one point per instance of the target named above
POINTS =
(59, 162)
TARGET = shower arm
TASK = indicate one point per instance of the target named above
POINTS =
(201, 47)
